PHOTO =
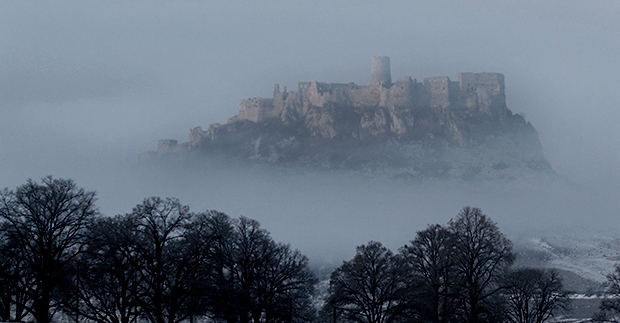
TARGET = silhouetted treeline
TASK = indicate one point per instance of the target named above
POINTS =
(161, 263)
(458, 273)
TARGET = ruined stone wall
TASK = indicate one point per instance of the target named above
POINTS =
(366, 97)
(256, 109)
(482, 91)
(279, 98)
(493, 83)
(439, 91)
(320, 93)
(292, 106)
(468, 82)
(403, 93)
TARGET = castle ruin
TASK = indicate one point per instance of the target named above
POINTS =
(434, 128)
(482, 92)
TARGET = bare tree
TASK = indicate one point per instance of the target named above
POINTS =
(46, 222)
(252, 278)
(534, 295)
(371, 287)
(166, 262)
(429, 258)
(285, 286)
(252, 252)
(217, 282)
(105, 288)
(482, 256)
(609, 310)
(13, 300)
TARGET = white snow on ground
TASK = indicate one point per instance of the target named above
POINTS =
(589, 257)
(539, 243)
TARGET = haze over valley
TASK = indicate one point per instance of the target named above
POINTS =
(85, 87)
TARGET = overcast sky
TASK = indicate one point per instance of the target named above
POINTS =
(87, 85)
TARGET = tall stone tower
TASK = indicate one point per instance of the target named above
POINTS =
(380, 72)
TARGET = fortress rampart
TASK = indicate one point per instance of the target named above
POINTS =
(483, 92)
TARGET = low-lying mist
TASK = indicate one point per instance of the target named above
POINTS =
(326, 214)
(87, 86)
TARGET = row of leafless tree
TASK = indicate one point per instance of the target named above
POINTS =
(159, 263)
(458, 273)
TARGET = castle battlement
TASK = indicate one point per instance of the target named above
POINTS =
(481, 91)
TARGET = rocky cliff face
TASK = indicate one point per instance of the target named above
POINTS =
(435, 128)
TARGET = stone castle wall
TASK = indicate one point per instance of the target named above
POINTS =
(481, 91)
(257, 109)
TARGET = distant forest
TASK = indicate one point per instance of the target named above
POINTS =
(60, 260)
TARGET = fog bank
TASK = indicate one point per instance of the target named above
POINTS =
(86, 86)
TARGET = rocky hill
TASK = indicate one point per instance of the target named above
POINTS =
(436, 128)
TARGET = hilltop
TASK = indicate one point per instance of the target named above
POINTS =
(437, 128)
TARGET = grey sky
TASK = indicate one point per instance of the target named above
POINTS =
(86, 85)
